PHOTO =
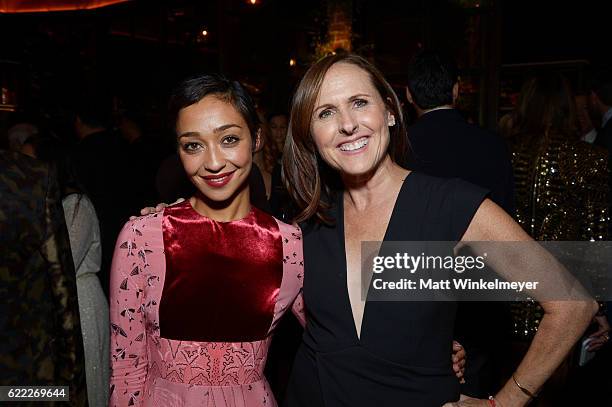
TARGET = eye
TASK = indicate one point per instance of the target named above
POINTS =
(325, 114)
(229, 140)
(191, 147)
(360, 102)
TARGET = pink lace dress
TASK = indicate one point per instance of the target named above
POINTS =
(194, 303)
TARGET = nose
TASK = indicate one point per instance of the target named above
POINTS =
(348, 124)
(214, 160)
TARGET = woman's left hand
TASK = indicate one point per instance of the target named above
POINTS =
(459, 361)
(465, 401)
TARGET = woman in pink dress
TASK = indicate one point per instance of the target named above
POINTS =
(197, 289)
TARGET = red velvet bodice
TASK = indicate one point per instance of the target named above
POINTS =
(222, 278)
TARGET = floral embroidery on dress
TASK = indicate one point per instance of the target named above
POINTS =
(150, 370)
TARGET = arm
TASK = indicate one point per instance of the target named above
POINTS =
(82, 223)
(560, 328)
(128, 336)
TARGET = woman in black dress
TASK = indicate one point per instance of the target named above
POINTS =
(342, 159)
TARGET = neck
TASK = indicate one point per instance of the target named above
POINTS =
(443, 107)
(235, 208)
(370, 189)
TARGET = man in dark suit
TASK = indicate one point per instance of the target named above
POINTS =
(443, 144)
(40, 330)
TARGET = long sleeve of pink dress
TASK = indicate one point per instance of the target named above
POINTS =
(194, 303)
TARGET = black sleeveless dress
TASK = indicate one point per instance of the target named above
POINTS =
(403, 357)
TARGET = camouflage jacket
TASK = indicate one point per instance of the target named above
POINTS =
(40, 331)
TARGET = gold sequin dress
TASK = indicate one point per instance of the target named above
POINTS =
(562, 192)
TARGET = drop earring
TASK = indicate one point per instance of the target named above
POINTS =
(391, 121)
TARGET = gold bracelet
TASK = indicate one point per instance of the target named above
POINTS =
(524, 390)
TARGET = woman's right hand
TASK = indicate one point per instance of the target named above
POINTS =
(158, 208)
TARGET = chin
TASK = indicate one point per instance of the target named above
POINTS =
(223, 194)
(216, 196)
(358, 168)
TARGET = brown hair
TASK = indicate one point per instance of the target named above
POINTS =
(309, 181)
(546, 104)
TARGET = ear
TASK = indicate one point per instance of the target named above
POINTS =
(409, 96)
(455, 92)
(257, 141)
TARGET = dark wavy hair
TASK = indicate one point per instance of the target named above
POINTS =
(196, 88)
(309, 181)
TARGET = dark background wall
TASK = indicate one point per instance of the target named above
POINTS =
(134, 52)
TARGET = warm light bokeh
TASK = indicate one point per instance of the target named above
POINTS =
(37, 6)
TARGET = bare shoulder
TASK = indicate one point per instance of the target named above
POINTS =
(492, 223)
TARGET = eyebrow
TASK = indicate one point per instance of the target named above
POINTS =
(217, 130)
(350, 98)
(225, 127)
(189, 134)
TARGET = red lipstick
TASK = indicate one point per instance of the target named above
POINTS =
(218, 180)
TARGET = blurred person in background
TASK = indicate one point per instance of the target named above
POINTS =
(40, 331)
(102, 167)
(267, 155)
(278, 123)
(567, 175)
(85, 245)
(562, 193)
(19, 135)
(280, 202)
(600, 103)
(144, 155)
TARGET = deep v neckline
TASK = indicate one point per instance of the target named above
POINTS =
(358, 336)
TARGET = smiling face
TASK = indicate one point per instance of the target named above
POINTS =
(215, 147)
(350, 121)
